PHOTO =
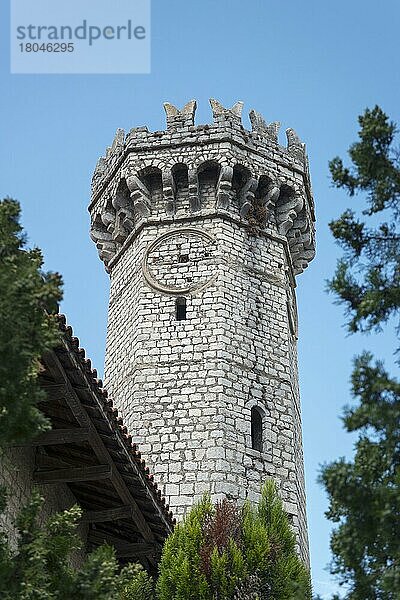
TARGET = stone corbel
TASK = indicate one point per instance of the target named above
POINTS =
(140, 196)
(287, 212)
(108, 219)
(123, 225)
(124, 221)
(224, 187)
(302, 261)
(107, 213)
(106, 252)
(271, 197)
(301, 242)
(246, 196)
(104, 242)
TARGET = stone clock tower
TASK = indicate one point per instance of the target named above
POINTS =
(203, 230)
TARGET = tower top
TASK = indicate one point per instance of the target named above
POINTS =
(147, 177)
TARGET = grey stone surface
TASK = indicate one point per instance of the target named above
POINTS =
(222, 217)
(16, 475)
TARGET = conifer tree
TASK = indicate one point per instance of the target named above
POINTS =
(28, 298)
(223, 553)
(364, 493)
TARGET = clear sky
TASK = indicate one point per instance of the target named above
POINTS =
(314, 65)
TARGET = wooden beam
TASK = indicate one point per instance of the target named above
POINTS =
(135, 550)
(98, 446)
(93, 473)
(123, 549)
(109, 514)
(55, 437)
(51, 385)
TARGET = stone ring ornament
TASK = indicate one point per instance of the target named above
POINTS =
(181, 261)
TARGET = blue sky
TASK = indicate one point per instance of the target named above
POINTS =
(312, 65)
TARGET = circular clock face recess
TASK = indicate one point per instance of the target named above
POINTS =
(181, 261)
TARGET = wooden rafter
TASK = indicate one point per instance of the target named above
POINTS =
(56, 437)
(99, 448)
(123, 549)
(108, 514)
(88, 473)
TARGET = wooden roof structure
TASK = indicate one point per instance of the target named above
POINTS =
(90, 450)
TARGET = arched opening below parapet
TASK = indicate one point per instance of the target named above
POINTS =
(208, 174)
(181, 181)
(152, 179)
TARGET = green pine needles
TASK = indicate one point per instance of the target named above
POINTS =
(28, 298)
(222, 552)
(364, 492)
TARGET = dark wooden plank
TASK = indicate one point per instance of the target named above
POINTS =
(124, 530)
(123, 549)
(109, 514)
(55, 437)
(55, 410)
(88, 490)
(76, 455)
(135, 550)
(92, 473)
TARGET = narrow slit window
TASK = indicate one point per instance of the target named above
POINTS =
(180, 309)
(256, 429)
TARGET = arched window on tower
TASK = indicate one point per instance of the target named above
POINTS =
(180, 308)
(256, 429)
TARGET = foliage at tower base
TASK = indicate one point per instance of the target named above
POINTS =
(364, 493)
(40, 567)
(218, 553)
(225, 553)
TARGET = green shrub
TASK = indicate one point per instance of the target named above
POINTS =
(40, 567)
(223, 553)
(141, 587)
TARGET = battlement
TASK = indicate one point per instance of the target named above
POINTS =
(219, 168)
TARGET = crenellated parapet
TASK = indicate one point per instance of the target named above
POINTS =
(216, 169)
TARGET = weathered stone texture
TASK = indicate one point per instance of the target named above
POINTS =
(176, 214)
(16, 475)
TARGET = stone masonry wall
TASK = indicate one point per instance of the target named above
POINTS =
(221, 219)
(186, 388)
